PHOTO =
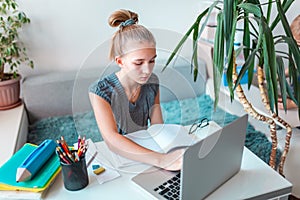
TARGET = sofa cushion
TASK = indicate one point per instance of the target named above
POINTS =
(51, 94)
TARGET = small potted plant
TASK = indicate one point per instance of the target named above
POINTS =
(12, 53)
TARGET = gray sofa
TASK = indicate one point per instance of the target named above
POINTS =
(65, 93)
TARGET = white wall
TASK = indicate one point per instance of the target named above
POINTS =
(64, 33)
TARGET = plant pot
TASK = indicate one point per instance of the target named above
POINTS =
(10, 93)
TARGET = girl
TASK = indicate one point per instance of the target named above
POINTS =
(125, 101)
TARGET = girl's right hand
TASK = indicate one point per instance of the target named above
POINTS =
(173, 160)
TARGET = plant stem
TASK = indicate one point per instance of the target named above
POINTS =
(250, 110)
(2, 72)
(260, 78)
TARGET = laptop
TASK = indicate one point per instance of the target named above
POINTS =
(207, 164)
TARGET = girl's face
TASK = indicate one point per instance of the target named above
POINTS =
(138, 63)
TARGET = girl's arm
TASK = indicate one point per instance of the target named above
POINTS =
(156, 114)
(124, 146)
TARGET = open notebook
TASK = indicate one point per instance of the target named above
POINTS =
(164, 138)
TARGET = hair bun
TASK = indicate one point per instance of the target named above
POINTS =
(119, 16)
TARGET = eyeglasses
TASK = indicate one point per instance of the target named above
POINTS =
(204, 122)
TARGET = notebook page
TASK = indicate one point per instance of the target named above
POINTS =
(142, 138)
(170, 136)
(145, 139)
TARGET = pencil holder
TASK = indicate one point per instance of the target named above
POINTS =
(75, 175)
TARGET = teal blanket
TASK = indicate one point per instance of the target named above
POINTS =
(183, 112)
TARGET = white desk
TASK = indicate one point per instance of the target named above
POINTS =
(256, 180)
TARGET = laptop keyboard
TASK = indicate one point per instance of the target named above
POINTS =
(170, 189)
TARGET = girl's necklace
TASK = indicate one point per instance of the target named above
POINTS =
(134, 94)
(131, 95)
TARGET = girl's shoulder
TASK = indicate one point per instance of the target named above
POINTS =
(104, 86)
(105, 82)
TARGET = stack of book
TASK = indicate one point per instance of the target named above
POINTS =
(29, 189)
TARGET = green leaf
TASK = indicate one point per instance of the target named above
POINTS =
(181, 42)
(184, 38)
(270, 64)
(269, 10)
(290, 92)
(285, 6)
(246, 67)
(230, 57)
(281, 80)
(283, 19)
(246, 36)
(31, 64)
(218, 58)
(14, 5)
(294, 51)
(269, 87)
(196, 36)
(8, 52)
(260, 41)
(195, 52)
(210, 9)
(251, 72)
(229, 10)
(294, 76)
(251, 8)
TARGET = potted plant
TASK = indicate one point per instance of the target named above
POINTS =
(12, 53)
(258, 42)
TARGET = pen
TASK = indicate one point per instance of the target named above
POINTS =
(91, 159)
(35, 160)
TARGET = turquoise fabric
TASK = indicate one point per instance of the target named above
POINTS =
(183, 112)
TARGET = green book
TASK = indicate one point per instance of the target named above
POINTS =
(39, 182)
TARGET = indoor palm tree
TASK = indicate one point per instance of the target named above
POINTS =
(259, 49)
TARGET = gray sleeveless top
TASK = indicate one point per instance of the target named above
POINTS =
(129, 116)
